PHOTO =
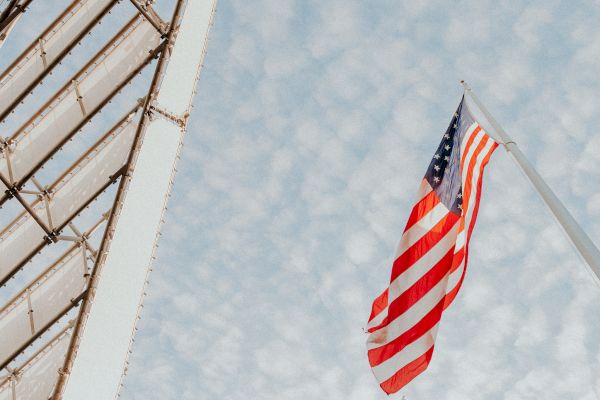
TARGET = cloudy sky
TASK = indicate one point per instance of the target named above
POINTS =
(313, 125)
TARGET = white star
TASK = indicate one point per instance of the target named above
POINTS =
(446, 136)
(437, 156)
(436, 167)
(436, 179)
(459, 206)
(446, 158)
(447, 147)
(459, 196)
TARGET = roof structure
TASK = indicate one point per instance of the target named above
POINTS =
(87, 158)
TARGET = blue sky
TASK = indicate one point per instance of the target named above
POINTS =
(313, 125)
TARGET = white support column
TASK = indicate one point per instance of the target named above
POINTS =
(578, 237)
(107, 334)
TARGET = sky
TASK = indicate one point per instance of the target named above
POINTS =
(313, 125)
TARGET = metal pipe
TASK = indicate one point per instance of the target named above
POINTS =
(39, 333)
(38, 278)
(19, 9)
(9, 8)
(158, 25)
(49, 155)
(574, 232)
(50, 239)
(54, 62)
(48, 345)
(76, 76)
(15, 193)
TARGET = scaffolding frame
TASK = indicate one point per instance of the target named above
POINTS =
(39, 202)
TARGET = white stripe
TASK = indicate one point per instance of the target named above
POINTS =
(422, 266)
(465, 138)
(409, 318)
(416, 271)
(419, 229)
(475, 182)
(467, 197)
(465, 166)
(455, 276)
(424, 190)
(378, 319)
(460, 242)
(416, 349)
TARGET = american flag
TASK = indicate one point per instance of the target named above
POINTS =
(431, 258)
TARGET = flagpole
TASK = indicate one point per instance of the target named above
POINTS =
(578, 237)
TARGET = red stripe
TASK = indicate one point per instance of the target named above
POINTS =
(383, 353)
(423, 245)
(420, 209)
(484, 162)
(468, 185)
(409, 257)
(457, 260)
(468, 145)
(414, 293)
(379, 305)
(407, 373)
(450, 296)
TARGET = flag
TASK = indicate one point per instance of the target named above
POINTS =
(431, 258)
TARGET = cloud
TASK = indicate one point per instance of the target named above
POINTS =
(312, 128)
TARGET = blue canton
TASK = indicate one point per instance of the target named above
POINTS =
(443, 173)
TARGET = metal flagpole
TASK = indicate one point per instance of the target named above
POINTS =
(578, 237)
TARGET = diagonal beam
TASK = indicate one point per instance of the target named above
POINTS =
(110, 156)
(22, 68)
(122, 267)
(36, 281)
(14, 9)
(15, 374)
(119, 199)
(152, 17)
(69, 275)
(22, 150)
(74, 303)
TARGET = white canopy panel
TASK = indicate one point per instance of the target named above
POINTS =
(48, 298)
(98, 366)
(36, 139)
(68, 195)
(17, 78)
(186, 59)
(37, 378)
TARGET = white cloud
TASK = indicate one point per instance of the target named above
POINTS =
(313, 126)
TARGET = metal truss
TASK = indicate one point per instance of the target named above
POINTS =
(48, 50)
(50, 213)
(13, 10)
(77, 258)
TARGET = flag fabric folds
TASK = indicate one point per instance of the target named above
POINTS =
(431, 258)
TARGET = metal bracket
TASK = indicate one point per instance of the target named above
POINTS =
(43, 53)
(79, 97)
(30, 312)
(145, 8)
(5, 146)
(177, 120)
